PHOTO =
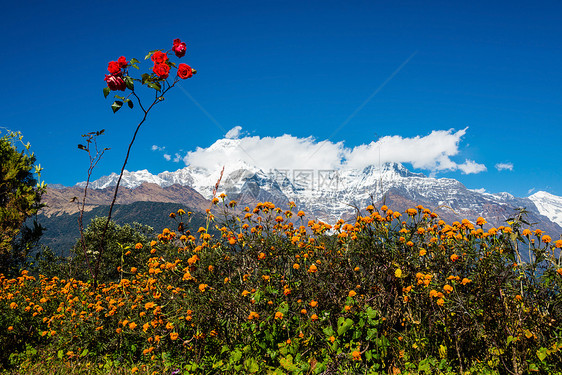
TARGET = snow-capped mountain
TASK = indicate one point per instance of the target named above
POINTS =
(333, 194)
(548, 205)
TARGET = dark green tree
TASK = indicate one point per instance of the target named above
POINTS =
(20, 199)
(118, 241)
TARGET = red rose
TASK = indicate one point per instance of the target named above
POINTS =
(115, 82)
(179, 48)
(159, 57)
(184, 71)
(161, 70)
(122, 62)
(113, 67)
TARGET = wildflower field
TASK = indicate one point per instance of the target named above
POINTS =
(275, 292)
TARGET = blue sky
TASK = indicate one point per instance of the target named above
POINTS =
(344, 72)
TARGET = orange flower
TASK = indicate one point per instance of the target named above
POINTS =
(546, 239)
(314, 317)
(558, 244)
(352, 293)
(356, 355)
(202, 287)
(278, 315)
(454, 257)
(296, 266)
(481, 221)
(465, 281)
(423, 252)
(347, 307)
(174, 335)
(138, 246)
(286, 291)
(559, 270)
(133, 269)
(303, 311)
(313, 303)
(447, 288)
(312, 268)
(132, 325)
(253, 315)
(440, 301)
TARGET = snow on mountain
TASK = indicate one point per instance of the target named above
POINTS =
(548, 205)
(331, 194)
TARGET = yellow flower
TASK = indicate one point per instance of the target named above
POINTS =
(423, 252)
(202, 287)
(398, 273)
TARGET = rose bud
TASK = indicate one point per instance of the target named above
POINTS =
(115, 83)
(179, 48)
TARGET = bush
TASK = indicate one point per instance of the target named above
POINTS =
(20, 197)
(276, 293)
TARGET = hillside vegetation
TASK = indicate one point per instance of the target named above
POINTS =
(274, 292)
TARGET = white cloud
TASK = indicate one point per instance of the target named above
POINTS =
(531, 190)
(504, 166)
(158, 148)
(177, 158)
(471, 167)
(167, 157)
(432, 152)
(233, 133)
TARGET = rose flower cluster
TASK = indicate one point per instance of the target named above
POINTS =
(115, 79)
(161, 67)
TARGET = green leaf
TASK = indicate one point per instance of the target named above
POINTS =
(344, 325)
(542, 353)
(82, 147)
(60, 354)
(135, 61)
(129, 83)
(135, 66)
(154, 85)
(145, 77)
(129, 103)
(116, 106)
(84, 353)
(251, 365)
(106, 91)
(119, 97)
